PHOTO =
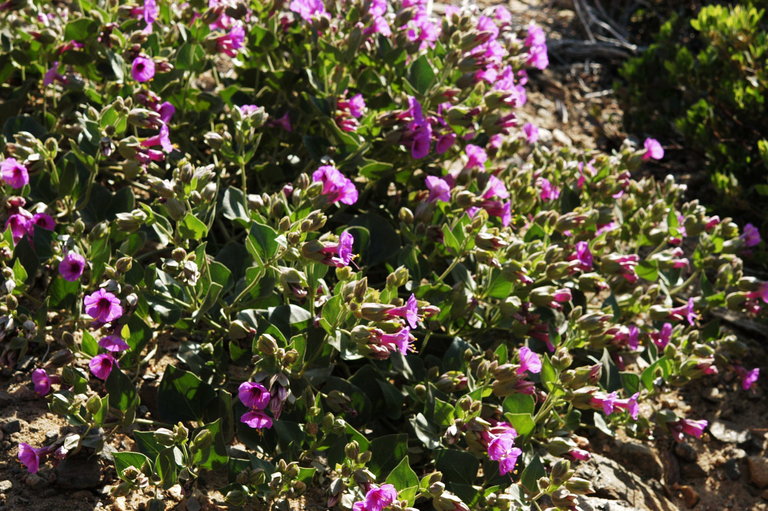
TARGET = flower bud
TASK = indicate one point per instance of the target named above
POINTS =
(579, 486)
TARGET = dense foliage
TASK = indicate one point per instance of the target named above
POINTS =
(318, 231)
(705, 78)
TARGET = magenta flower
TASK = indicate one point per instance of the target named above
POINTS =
(750, 236)
(103, 306)
(531, 132)
(400, 341)
(231, 42)
(687, 426)
(445, 142)
(748, 378)
(630, 405)
(502, 448)
(357, 105)
(583, 255)
(653, 149)
(686, 312)
(495, 188)
(166, 111)
(579, 454)
(256, 419)
(341, 254)
(336, 187)
(253, 395)
(662, 338)
(409, 311)
(536, 42)
(44, 221)
(162, 139)
(606, 402)
(529, 361)
(421, 29)
(143, 69)
(438, 189)
(377, 498)
(72, 266)
(14, 173)
(101, 365)
(283, 122)
(41, 381)
(30, 457)
(476, 156)
(20, 224)
(53, 75)
(633, 337)
(422, 140)
(113, 343)
(547, 191)
(308, 9)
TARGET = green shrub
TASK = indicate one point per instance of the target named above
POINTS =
(706, 79)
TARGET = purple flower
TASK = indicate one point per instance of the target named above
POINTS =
(101, 365)
(502, 449)
(653, 149)
(748, 378)
(253, 395)
(633, 337)
(495, 188)
(342, 251)
(531, 132)
(44, 221)
(399, 341)
(143, 69)
(113, 343)
(41, 381)
(256, 419)
(422, 140)
(166, 111)
(357, 105)
(630, 405)
(445, 142)
(20, 224)
(583, 255)
(476, 156)
(30, 457)
(72, 266)
(686, 312)
(377, 498)
(536, 42)
(535, 37)
(14, 173)
(605, 401)
(232, 41)
(422, 29)
(103, 306)
(336, 187)
(529, 361)
(53, 75)
(750, 236)
(409, 311)
(308, 9)
(438, 189)
(689, 427)
(662, 338)
(162, 139)
(548, 191)
(283, 122)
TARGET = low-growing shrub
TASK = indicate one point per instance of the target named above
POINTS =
(705, 79)
(308, 244)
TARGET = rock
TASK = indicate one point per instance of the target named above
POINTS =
(712, 394)
(644, 461)
(688, 494)
(5, 486)
(12, 427)
(764, 494)
(81, 495)
(78, 473)
(561, 137)
(119, 504)
(192, 504)
(35, 481)
(597, 504)
(51, 435)
(685, 451)
(692, 471)
(758, 470)
(728, 432)
(732, 469)
(5, 399)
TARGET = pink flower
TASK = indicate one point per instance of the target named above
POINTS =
(336, 187)
(41, 381)
(357, 105)
(476, 156)
(101, 365)
(166, 111)
(30, 457)
(662, 338)
(143, 69)
(72, 266)
(409, 311)
(583, 255)
(283, 122)
(232, 41)
(399, 341)
(579, 454)
(20, 224)
(502, 448)
(445, 142)
(531, 132)
(253, 395)
(529, 361)
(53, 75)
(653, 149)
(438, 189)
(103, 306)
(162, 139)
(14, 173)
(633, 337)
(750, 236)
(495, 188)
(605, 401)
(342, 251)
(377, 498)
(308, 9)
(748, 378)
(256, 419)
(686, 312)
(536, 42)
(421, 29)
(547, 191)
(113, 343)
(688, 427)
(630, 405)
(44, 221)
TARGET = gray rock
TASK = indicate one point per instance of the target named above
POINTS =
(5, 399)
(758, 470)
(13, 426)
(35, 481)
(78, 473)
(690, 471)
(728, 432)
(732, 469)
(644, 461)
(685, 451)
(5, 486)
(596, 504)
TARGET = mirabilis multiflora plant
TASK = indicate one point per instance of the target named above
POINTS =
(369, 274)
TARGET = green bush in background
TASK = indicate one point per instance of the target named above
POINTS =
(705, 80)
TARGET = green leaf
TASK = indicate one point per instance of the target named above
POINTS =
(167, 466)
(548, 373)
(233, 205)
(648, 270)
(519, 403)
(522, 422)
(122, 393)
(405, 481)
(190, 57)
(62, 291)
(183, 396)
(123, 460)
(192, 227)
(262, 242)
(213, 454)
(80, 29)
(421, 75)
(19, 273)
(456, 466)
(89, 345)
(386, 451)
(531, 474)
